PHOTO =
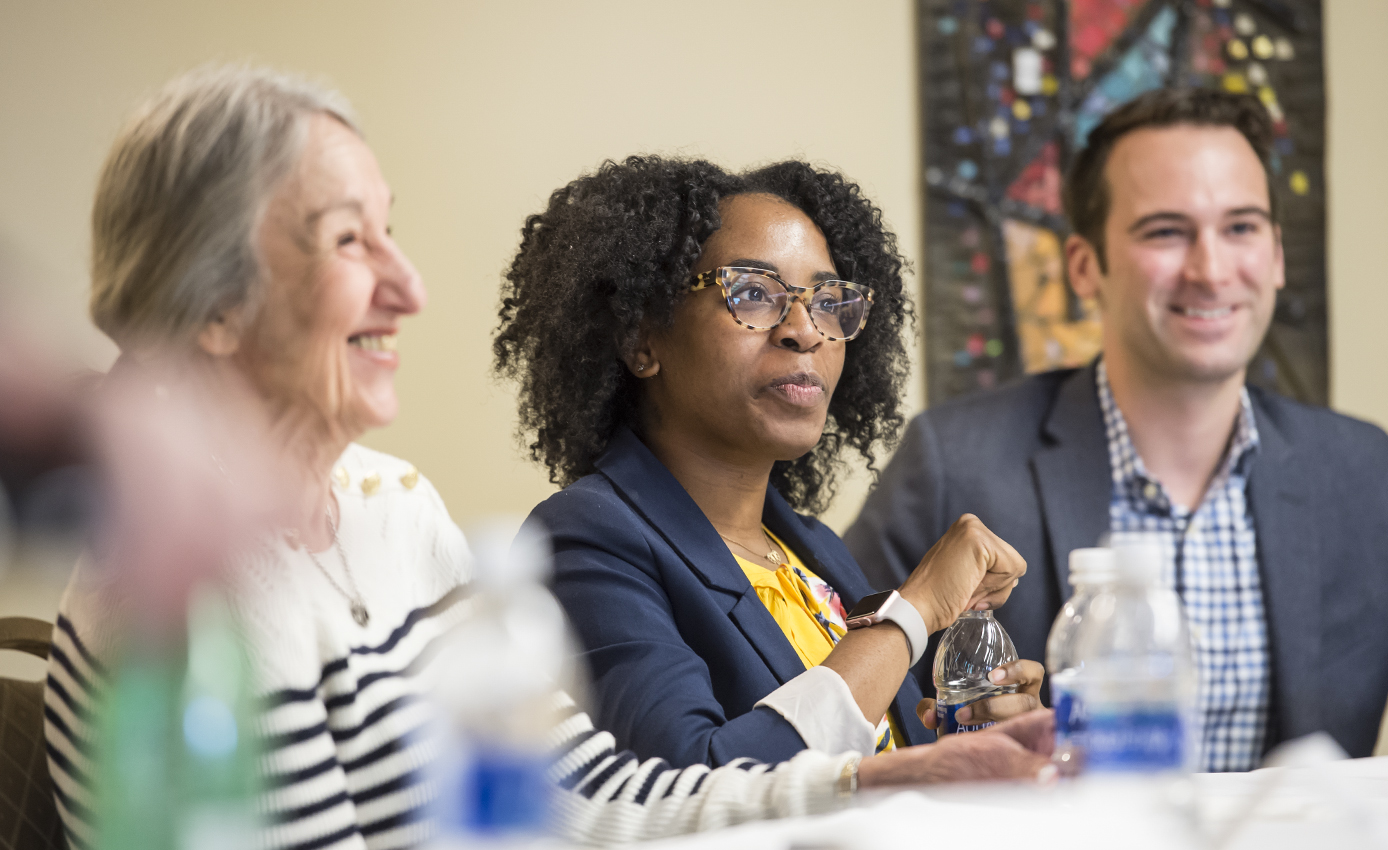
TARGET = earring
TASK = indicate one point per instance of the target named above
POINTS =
(641, 367)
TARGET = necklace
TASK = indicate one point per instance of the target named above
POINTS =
(359, 612)
(772, 555)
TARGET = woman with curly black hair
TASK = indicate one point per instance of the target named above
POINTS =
(695, 350)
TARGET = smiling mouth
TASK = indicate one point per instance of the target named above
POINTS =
(373, 342)
(1197, 313)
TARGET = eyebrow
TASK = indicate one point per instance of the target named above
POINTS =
(1155, 217)
(747, 262)
(350, 204)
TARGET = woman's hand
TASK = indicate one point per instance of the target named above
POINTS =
(970, 568)
(1026, 675)
(1017, 749)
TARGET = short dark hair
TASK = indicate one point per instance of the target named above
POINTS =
(614, 249)
(1086, 192)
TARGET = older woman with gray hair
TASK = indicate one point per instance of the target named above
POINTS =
(241, 229)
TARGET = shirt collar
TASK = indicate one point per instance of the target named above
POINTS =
(1130, 476)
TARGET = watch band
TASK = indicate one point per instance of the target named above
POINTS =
(847, 785)
(897, 609)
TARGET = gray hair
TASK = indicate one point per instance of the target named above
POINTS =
(181, 192)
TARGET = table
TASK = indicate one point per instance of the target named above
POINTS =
(1331, 804)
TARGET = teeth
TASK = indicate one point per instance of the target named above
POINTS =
(367, 342)
(1208, 314)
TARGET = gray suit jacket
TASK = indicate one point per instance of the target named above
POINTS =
(1032, 462)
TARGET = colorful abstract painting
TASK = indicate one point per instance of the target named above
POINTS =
(1011, 90)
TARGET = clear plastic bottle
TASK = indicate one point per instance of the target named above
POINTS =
(1091, 570)
(1136, 681)
(504, 664)
(970, 649)
(177, 769)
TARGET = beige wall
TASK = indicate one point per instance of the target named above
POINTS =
(478, 110)
(1356, 32)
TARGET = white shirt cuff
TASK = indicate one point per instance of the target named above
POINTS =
(819, 705)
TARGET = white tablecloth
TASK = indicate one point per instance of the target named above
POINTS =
(1337, 805)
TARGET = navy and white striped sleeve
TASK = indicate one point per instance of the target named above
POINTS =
(74, 675)
(611, 797)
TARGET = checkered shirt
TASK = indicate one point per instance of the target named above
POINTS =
(1210, 558)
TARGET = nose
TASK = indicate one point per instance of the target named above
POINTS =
(1207, 263)
(797, 332)
(399, 288)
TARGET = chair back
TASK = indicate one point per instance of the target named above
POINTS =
(28, 816)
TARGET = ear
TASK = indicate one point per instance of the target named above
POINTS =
(221, 337)
(1082, 265)
(641, 358)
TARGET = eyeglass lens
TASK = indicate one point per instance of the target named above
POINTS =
(758, 301)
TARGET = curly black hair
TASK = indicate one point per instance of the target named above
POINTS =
(615, 248)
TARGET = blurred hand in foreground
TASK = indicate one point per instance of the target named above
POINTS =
(1016, 749)
(189, 478)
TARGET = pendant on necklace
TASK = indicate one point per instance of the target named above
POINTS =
(775, 558)
(360, 614)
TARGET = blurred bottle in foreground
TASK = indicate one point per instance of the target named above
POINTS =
(1135, 677)
(177, 762)
(1091, 571)
(504, 664)
(970, 649)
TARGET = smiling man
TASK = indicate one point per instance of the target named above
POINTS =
(1272, 514)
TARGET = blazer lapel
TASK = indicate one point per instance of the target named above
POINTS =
(664, 503)
(1073, 479)
(848, 580)
(1288, 557)
(845, 578)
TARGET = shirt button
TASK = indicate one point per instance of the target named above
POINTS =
(1150, 491)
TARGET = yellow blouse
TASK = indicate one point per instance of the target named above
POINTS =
(810, 615)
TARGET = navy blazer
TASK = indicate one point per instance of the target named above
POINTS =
(679, 645)
(1031, 460)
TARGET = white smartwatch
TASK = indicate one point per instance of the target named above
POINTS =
(892, 606)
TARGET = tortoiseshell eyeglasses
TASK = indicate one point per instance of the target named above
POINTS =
(760, 300)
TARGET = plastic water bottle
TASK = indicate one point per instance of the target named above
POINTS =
(1091, 570)
(503, 666)
(970, 649)
(177, 766)
(1136, 682)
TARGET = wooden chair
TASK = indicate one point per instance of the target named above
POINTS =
(28, 817)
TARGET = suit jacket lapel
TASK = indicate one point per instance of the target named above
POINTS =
(1073, 479)
(655, 494)
(1288, 557)
(664, 503)
(848, 580)
(844, 577)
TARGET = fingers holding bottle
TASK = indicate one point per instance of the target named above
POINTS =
(970, 567)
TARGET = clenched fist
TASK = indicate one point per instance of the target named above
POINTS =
(969, 568)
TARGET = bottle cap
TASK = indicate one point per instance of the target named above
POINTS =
(1139, 561)
(1092, 566)
(504, 557)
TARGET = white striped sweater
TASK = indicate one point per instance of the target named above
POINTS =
(347, 752)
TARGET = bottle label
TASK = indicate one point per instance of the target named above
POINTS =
(944, 714)
(503, 792)
(1070, 718)
(1150, 740)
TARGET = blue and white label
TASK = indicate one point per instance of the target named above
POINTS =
(499, 791)
(1070, 719)
(1140, 740)
(948, 725)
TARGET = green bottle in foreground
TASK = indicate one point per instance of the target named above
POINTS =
(176, 759)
